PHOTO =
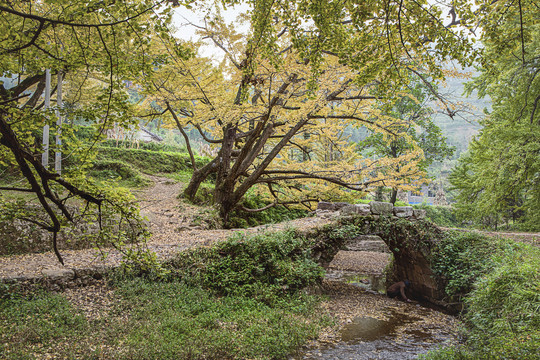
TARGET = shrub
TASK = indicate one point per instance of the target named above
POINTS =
(114, 169)
(276, 214)
(503, 308)
(462, 258)
(152, 146)
(262, 266)
(507, 300)
(150, 162)
(440, 215)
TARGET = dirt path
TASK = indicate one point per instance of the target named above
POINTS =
(529, 238)
(171, 223)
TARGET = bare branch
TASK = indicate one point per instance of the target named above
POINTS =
(186, 138)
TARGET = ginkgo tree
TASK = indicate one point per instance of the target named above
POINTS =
(277, 107)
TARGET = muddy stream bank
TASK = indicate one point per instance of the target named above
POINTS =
(369, 324)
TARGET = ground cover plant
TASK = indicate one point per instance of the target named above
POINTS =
(502, 305)
(266, 266)
(237, 300)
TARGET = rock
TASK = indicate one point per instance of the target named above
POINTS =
(324, 205)
(403, 211)
(326, 214)
(381, 208)
(360, 209)
(59, 274)
(340, 205)
(419, 213)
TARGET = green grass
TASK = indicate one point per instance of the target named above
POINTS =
(36, 324)
(189, 323)
(159, 320)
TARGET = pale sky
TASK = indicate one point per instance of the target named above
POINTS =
(182, 17)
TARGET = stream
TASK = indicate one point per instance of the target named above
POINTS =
(398, 332)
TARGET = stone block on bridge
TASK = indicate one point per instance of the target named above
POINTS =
(324, 205)
(403, 211)
(360, 209)
(381, 208)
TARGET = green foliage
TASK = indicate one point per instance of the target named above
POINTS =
(174, 321)
(96, 50)
(107, 170)
(208, 218)
(503, 310)
(275, 214)
(261, 266)
(42, 318)
(462, 258)
(152, 146)
(417, 124)
(440, 215)
(205, 194)
(158, 320)
(507, 300)
(148, 161)
(236, 300)
(498, 179)
(419, 234)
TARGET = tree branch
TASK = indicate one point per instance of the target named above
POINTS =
(186, 138)
(43, 19)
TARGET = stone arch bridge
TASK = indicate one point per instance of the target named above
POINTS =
(408, 236)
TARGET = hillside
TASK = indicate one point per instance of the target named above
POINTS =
(460, 130)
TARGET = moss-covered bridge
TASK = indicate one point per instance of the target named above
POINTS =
(408, 236)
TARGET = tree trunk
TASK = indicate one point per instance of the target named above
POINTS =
(394, 196)
(198, 177)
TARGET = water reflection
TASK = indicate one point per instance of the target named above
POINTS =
(371, 282)
(367, 338)
(399, 337)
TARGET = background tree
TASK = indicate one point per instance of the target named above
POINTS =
(415, 128)
(500, 177)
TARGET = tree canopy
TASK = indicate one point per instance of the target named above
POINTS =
(96, 46)
(417, 129)
(276, 108)
(278, 105)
